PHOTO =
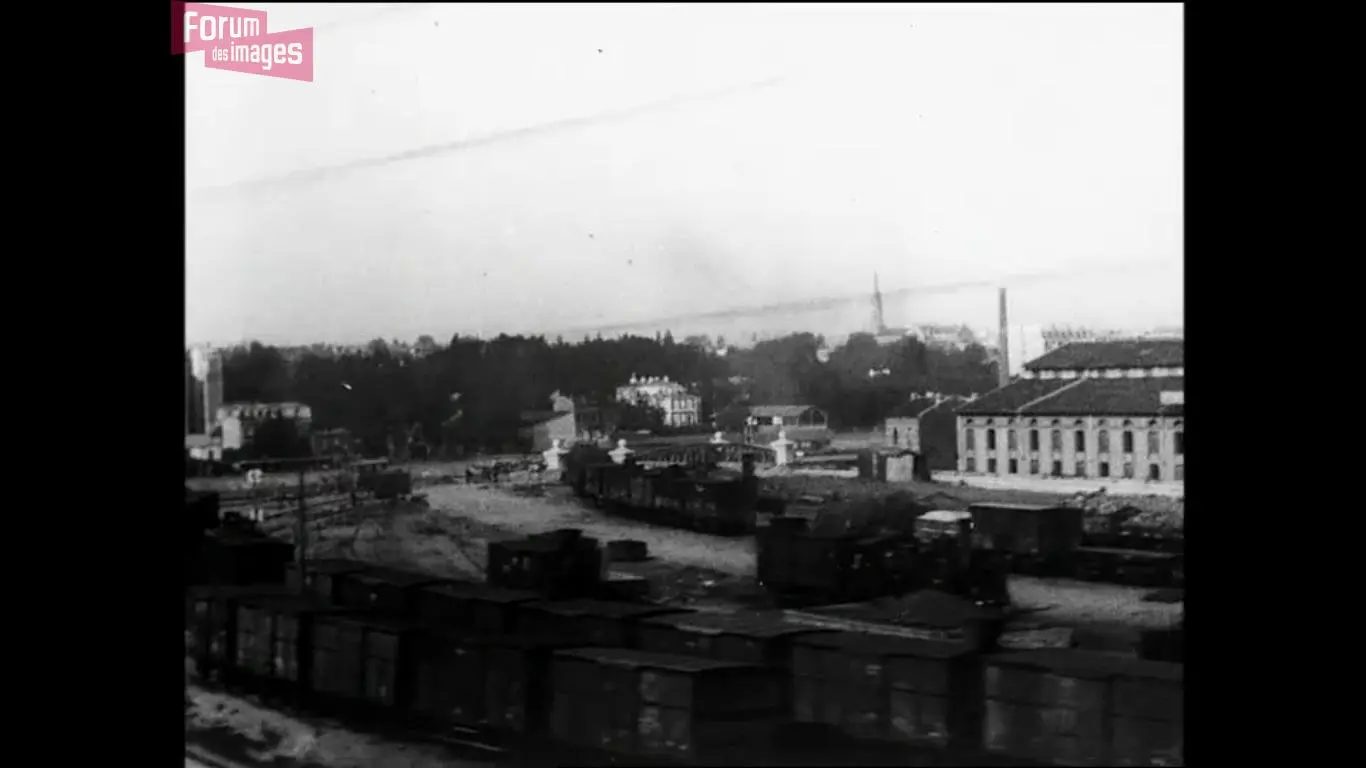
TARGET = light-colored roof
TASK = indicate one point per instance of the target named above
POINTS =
(779, 411)
(946, 516)
(199, 441)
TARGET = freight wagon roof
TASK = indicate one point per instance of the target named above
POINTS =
(945, 516)
(1005, 506)
(1086, 665)
(1126, 353)
(1013, 397)
(395, 577)
(371, 621)
(887, 645)
(332, 566)
(629, 658)
(746, 625)
(1164, 671)
(487, 592)
(222, 591)
(926, 608)
(294, 603)
(608, 608)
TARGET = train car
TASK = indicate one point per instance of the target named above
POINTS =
(1052, 541)
(1035, 538)
(914, 693)
(673, 496)
(675, 709)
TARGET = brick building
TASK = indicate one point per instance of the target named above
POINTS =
(1099, 409)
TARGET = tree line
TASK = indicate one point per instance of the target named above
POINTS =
(470, 394)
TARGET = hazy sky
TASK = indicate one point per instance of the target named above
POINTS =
(929, 144)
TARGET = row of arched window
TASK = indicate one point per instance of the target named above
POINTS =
(1127, 437)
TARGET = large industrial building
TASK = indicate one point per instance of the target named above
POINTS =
(1097, 409)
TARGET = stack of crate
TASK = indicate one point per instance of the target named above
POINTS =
(662, 706)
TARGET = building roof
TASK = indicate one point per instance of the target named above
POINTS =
(918, 406)
(779, 411)
(1080, 397)
(1014, 396)
(199, 441)
(1103, 397)
(1126, 353)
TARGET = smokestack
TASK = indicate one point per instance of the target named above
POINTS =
(1004, 342)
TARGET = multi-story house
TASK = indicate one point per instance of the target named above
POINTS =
(681, 408)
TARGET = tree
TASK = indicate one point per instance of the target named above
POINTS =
(278, 438)
(373, 391)
(640, 415)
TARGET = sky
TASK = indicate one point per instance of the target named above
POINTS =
(557, 168)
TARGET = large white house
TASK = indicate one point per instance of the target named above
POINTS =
(681, 408)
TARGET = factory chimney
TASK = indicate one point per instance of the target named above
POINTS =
(1003, 372)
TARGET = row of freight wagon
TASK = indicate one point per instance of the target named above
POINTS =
(675, 496)
(648, 682)
(1028, 539)
(971, 555)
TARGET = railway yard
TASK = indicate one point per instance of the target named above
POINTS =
(445, 527)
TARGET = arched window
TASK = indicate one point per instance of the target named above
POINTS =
(1154, 442)
(1055, 441)
(1103, 441)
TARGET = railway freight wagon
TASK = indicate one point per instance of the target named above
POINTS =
(673, 496)
(666, 707)
(796, 564)
(696, 688)
(1051, 541)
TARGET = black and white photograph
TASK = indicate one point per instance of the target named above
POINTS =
(683, 384)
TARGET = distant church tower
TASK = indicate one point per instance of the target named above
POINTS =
(879, 327)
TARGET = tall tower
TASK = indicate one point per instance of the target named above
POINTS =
(878, 325)
(207, 368)
(1003, 371)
